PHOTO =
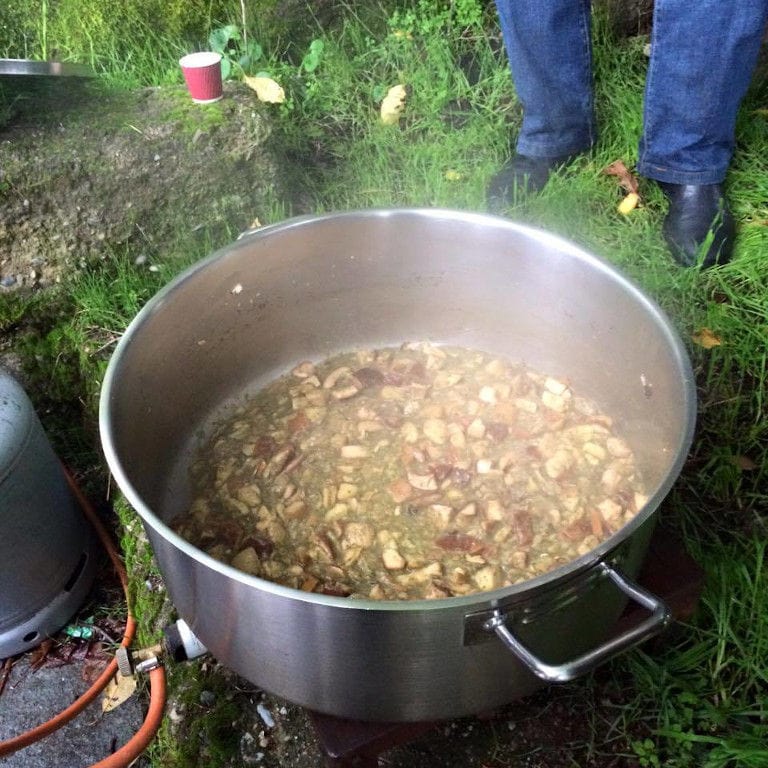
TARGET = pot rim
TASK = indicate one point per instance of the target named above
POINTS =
(551, 578)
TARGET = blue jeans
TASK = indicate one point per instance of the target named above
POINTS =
(703, 53)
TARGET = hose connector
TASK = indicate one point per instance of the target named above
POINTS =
(138, 662)
(179, 643)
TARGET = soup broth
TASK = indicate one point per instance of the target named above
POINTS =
(416, 472)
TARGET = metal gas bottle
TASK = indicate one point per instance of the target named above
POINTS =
(47, 560)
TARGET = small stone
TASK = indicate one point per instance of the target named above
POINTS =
(265, 715)
(246, 740)
(8, 281)
(154, 268)
(207, 698)
(248, 750)
(140, 259)
(176, 713)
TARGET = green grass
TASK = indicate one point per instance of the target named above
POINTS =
(704, 699)
(701, 699)
(135, 42)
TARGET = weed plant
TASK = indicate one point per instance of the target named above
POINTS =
(701, 698)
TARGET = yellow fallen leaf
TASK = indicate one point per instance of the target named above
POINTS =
(628, 204)
(452, 175)
(705, 338)
(392, 105)
(627, 180)
(266, 89)
(118, 691)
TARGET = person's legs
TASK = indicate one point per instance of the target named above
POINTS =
(548, 44)
(702, 57)
(549, 48)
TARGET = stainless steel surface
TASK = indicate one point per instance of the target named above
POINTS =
(310, 288)
(47, 558)
(570, 670)
(44, 68)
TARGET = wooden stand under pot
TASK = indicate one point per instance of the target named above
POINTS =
(669, 572)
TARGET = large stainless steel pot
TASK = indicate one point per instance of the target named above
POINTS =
(312, 287)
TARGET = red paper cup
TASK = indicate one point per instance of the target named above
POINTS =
(202, 72)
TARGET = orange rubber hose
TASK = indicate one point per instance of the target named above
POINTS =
(62, 718)
(146, 733)
(141, 739)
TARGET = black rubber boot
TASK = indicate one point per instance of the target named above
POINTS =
(699, 227)
(520, 176)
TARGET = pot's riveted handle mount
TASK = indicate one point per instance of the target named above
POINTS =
(569, 670)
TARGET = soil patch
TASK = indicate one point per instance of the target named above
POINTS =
(559, 727)
(84, 172)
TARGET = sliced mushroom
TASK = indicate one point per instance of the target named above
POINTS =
(436, 430)
(335, 375)
(422, 482)
(400, 490)
(359, 534)
(392, 559)
(303, 370)
(247, 560)
(354, 452)
(487, 578)
(346, 491)
(421, 575)
(476, 430)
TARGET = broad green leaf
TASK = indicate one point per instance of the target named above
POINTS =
(254, 50)
(220, 38)
(314, 55)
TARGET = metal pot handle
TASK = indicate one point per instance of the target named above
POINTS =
(561, 673)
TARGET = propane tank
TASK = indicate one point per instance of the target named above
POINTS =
(47, 548)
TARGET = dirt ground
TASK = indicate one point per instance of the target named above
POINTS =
(560, 727)
(84, 173)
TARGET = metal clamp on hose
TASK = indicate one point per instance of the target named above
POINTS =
(139, 662)
(179, 643)
(569, 670)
